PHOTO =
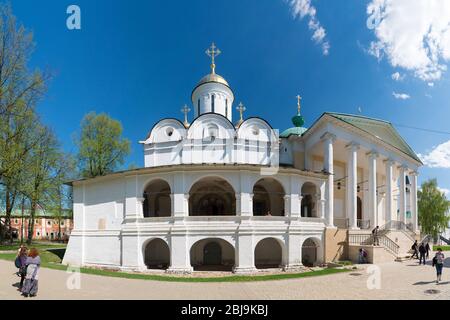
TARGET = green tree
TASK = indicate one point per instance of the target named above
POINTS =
(48, 168)
(101, 147)
(20, 90)
(433, 208)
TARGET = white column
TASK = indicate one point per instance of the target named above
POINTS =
(352, 178)
(414, 213)
(244, 204)
(402, 195)
(373, 206)
(245, 251)
(328, 140)
(287, 205)
(320, 206)
(389, 191)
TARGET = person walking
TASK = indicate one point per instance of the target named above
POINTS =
(414, 248)
(422, 252)
(21, 264)
(33, 263)
(376, 241)
(427, 247)
(438, 262)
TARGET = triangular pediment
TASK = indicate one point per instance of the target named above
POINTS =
(381, 130)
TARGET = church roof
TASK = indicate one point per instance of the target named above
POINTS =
(293, 131)
(380, 129)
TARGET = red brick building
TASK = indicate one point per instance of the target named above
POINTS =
(47, 226)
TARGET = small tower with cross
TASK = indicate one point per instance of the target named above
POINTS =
(241, 109)
(186, 110)
(213, 94)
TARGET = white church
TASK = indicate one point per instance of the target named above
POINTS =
(219, 194)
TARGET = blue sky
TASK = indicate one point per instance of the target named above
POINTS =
(139, 60)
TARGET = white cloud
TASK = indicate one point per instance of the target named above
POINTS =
(438, 157)
(303, 8)
(413, 35)
(445, 191)
(430, 84)
(401, 96)
(397, 76)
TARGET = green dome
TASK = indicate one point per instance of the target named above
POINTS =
(293, 131)
(298, 121)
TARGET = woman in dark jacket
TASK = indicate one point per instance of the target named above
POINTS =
(23, 267)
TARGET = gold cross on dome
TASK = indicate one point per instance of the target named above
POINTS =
(213, 52)
(241, 110)
(299, 99)
(185, 110)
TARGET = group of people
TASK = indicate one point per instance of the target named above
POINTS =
(28, 262)
(422, 252)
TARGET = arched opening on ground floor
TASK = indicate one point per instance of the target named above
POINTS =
(309, 194)
(157, 201)
(212, 196)
(268, 254)
(268, 198)
(212, 255)
(157, 254)
(311, 252)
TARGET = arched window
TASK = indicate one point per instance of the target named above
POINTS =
(213, 98)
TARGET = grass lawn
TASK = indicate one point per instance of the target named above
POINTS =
(52, 260)
(37, 245)
(444, 248)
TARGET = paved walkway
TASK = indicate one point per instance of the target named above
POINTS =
(405, 280)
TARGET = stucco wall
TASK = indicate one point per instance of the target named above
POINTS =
(335, 244)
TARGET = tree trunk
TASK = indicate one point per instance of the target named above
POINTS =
(31, 222)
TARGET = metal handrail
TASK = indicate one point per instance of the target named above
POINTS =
(399, 226)
(368, 239)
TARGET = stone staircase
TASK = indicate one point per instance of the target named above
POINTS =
(395, 238)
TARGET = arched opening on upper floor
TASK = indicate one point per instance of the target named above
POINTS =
(157, 254)
(212, 254)
(157, 199)
(268, 198)
(309, 200)
(212, 196)
(268, 254)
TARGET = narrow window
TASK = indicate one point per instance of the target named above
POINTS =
(226, 107)
(213, 97)
(198, 107)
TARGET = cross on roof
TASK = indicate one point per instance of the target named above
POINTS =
(241, 110)
(299, 99)
(185, 110)
(213, 52)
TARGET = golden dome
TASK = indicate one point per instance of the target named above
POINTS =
(213, 77)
